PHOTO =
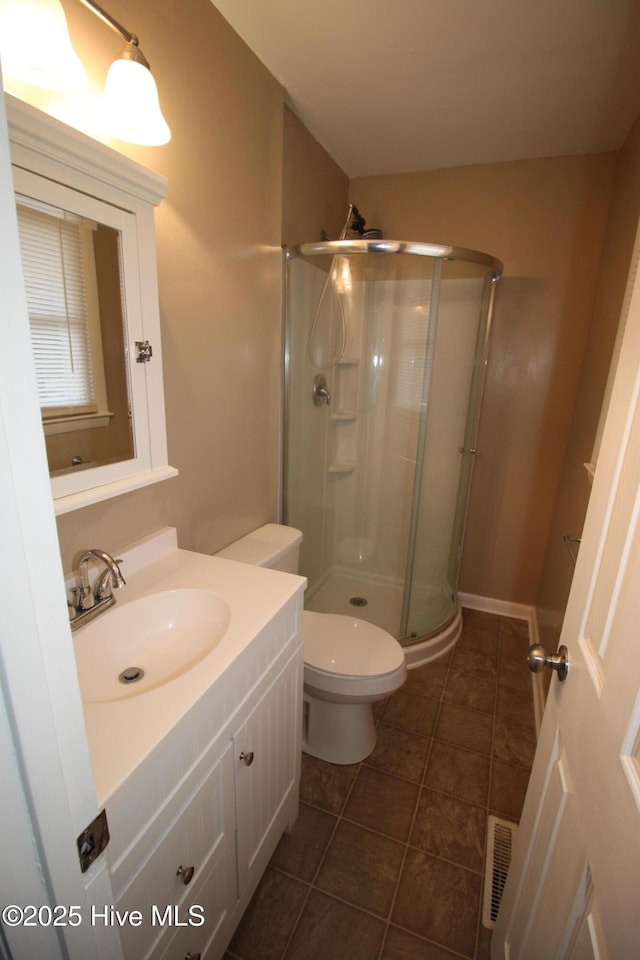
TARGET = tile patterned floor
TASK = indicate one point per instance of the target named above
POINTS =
(385, 860)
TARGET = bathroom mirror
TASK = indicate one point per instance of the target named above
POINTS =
(74, 287)
(85, 216)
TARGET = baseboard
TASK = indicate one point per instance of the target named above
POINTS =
(504, 608)
(519, 611)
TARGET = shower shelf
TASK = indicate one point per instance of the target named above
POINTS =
(341, 468)
(345, 416)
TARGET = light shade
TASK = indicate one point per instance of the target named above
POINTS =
(130, 107)
(35, 46)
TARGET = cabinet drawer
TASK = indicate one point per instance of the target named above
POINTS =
(203, 834)
(209, 899)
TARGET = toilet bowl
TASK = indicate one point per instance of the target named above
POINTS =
(349, 663)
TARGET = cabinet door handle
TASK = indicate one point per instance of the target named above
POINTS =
(185, 873)
(247, 757)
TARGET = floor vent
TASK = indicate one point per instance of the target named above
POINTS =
(501, 836)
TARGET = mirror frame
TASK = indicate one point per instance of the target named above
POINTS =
(50, 149)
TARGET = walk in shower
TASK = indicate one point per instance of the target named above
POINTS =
(385, 352)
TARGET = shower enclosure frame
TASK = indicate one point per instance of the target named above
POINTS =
(435, 643)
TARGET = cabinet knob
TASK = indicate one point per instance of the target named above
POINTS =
(185, 873)
(247, 757)
(192, 956)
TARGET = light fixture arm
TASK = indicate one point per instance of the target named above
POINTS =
(133, 51)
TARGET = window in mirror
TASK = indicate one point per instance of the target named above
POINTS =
(72, 276)
(60, 285)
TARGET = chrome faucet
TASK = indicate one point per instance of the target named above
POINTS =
(320, 392)
(89, 601)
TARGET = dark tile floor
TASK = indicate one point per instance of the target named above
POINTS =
(385, 860)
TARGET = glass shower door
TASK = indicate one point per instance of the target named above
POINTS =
(351, 463)
(451, 435)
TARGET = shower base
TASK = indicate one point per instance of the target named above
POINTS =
(341, 592)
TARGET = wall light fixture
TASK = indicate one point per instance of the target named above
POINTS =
(130, 105)
(35, 48)
(35, 45)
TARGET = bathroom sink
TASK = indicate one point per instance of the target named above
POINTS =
(147, 642)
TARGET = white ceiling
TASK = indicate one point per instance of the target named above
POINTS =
(389, 86)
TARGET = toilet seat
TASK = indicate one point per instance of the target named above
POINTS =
(350, 658)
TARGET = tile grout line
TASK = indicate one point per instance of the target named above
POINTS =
(495, 658)
(488, 799)
(312, 884)
(407, 843)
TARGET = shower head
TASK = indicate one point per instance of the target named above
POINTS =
(354, 227)
(357, 222)
(357, 227)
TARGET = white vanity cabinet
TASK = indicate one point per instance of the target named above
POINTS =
(194, 826)
(267, 754)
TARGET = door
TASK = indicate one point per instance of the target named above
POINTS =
(573, 885)
(46, 789)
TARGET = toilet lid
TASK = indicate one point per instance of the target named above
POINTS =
(340, 644)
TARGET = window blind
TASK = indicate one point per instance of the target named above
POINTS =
(51, 245)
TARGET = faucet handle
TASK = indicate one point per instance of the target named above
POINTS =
(81, 598)
(86, 598)
(74, 602)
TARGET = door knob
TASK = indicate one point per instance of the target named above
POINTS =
(538, 659)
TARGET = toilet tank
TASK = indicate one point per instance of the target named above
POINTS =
(272, 545)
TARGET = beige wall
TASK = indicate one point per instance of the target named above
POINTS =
(315, 191)
(545, 219)
(218, 239)
(574, 488)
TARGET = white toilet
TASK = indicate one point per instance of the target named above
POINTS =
(348, 663)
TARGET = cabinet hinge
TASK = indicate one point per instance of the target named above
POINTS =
(144, 351)
(93, 840)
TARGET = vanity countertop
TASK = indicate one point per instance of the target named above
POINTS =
(122, 733)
